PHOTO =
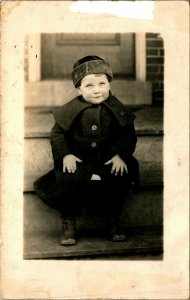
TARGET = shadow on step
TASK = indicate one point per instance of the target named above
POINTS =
(143, 243)
(142, 223)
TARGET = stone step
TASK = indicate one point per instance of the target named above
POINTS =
(39, 121)
(38, 160)
(58, 92)
(149, 150)
(142, 243)
(143, 209)
(142, 220)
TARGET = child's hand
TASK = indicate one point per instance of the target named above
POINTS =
(118, 165)
(69, 163)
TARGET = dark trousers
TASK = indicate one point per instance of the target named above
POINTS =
(76, 191)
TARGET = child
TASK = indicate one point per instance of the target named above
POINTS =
(92, 142)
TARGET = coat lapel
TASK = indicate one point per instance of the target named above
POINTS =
(66, 114)
(123, 115)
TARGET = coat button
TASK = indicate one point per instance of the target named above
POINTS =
(94, 127)
(122, 113)
(93, 145)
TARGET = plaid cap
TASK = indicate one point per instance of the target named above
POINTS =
(91, 67)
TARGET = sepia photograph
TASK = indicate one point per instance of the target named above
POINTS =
(93, 176)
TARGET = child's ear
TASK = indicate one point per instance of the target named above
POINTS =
(79, 91)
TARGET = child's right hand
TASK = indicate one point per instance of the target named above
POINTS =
(70, 163)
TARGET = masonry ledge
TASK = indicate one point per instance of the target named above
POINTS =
(39, 121)
(58, 92)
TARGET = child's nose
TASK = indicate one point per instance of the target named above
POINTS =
(96, 89)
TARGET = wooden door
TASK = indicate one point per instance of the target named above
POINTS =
(60, 51)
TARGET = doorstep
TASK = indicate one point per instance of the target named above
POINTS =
(141, 241)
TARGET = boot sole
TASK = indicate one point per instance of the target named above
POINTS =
(119, 238)
(68, 242)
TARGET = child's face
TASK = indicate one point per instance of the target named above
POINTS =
(94, 88)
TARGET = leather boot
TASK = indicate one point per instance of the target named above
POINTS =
(115, 232)
(68, 232)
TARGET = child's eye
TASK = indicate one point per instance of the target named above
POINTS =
(102, 83)
(89, 85)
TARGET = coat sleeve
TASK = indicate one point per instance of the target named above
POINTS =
(125, 142)
(59, 144)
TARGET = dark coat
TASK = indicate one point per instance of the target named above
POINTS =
(94, 133)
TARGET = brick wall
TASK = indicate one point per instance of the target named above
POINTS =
(155, 65)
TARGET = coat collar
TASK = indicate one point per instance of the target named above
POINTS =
(123, 115)
(66, 114)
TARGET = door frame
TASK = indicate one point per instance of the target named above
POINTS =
(34, 57)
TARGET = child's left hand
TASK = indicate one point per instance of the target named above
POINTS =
(118, 165)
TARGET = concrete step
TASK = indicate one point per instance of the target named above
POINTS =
(149, 150)
(39, 121)
(142, 220)
(142, 243)
(58, 92)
